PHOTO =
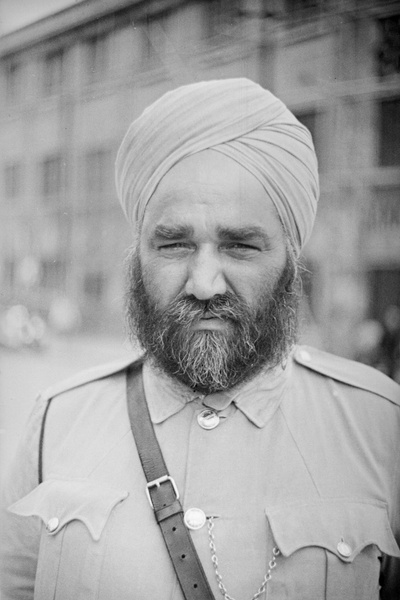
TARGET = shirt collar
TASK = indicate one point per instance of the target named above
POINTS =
(257, 399)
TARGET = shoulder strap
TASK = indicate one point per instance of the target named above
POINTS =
(41, 442)
(163, 495)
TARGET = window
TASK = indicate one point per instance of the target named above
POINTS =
(293, 5)
(220, 15)
(308, 119)
(13, 81)
(8, 273)
(12, 180)
(96, 56)
(52, 273)
(311, 119)
(304, 8)
(94, 285)
(99, 175)
(385, 290)
(388, 53)
(53, 68)
(154, 30)
(389, 130)
(384, 212)
(53, 177)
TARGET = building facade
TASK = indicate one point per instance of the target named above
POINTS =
(72, 82)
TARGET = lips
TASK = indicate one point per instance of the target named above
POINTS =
(210, 321)
(208, 315)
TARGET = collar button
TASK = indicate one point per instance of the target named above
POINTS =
(208, 419)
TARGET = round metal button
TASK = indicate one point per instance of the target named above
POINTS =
(344, 549)
(208, 419)
(52, 524)
(194, 518)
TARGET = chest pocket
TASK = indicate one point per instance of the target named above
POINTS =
(83, 507)
(353, 536)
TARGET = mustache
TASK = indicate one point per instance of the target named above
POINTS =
(259, 334)
(187, 309)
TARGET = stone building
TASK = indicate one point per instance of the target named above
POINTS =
(71, 83)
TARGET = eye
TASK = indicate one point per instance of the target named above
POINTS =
(241, 248)
(244, 246)
(172, 246)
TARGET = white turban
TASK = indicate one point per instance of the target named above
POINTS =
(238, 118)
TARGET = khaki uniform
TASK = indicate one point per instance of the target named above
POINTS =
(308, 463)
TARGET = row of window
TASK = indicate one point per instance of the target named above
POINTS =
(153, 32)
(97, 165)
(388, 128)
(388, 53)
(97, 176)
(219, 16)
(54, 70)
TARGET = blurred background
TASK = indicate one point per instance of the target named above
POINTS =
(74, 74)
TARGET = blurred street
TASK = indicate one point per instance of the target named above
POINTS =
(25, 372)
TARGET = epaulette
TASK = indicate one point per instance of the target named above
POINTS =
(348, 371)
(89, 375)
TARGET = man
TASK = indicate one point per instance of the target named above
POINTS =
(286, 459)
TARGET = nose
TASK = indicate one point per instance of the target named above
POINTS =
(206, 277)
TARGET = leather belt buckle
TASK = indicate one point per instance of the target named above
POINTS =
(157, 483)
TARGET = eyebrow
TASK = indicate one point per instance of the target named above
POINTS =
(243, 233)
(236, 234)
(173, 232)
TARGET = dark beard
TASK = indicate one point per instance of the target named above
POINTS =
(212, 361)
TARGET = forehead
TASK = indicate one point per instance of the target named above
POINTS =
(211, 189)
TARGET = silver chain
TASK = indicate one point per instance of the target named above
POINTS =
(214, 558)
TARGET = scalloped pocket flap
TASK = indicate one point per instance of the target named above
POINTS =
(340, 526)
(57, 502)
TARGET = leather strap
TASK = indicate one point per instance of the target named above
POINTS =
(162, 494)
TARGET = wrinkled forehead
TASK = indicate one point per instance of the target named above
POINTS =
(212, 191)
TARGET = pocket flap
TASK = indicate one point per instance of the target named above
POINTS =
(57, 502)
(343, 527)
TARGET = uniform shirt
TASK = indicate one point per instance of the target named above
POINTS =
(305, 459)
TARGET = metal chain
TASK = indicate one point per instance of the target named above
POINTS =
(214, 558)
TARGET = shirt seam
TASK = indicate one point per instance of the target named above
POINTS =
(300, 453)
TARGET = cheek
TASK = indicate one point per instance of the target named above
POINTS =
(163, 282)
(260, 286)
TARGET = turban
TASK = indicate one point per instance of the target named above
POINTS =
(238, 118)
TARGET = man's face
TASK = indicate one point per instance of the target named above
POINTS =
(210, 229)
(208, 290)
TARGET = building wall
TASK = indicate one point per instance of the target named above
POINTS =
(71, 84)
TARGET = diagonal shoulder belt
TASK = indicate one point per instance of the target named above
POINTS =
(163, 494)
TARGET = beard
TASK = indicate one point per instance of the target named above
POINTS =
(255, 338)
